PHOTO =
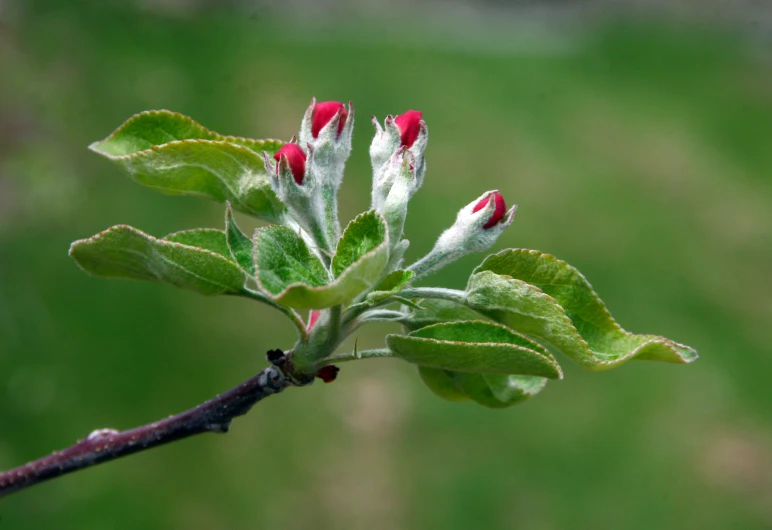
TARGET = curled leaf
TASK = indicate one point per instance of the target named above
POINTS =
(550, 302)
(174, 154)
(125, 252)
(474, 346)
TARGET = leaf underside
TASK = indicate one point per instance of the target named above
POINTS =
(474, 346)
(489, 390)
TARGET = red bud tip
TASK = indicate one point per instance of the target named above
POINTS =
(500, 209)
(409, 125)
(312, 318)
(328, 373)
(323, 113)
(296, 158)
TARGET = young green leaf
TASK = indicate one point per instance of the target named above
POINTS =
(474, 346)
(363, 242)
(206, 238)
(239, 246)
(549, 301)
(125, 252)
(173, 154)
(393, 283)
(283, 262)
(359, 262)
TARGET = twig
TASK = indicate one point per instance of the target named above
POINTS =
(104, 445)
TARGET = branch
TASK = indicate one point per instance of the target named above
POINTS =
(104, 445)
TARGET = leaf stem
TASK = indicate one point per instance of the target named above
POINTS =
(360, 354)
(452, 295)
(297, 321)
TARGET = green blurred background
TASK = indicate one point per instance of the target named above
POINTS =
(637, 145)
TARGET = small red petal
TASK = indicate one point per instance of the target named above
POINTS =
(312, 318)
(499, 210)
(409, 125)
(324, 112)
(296, 159)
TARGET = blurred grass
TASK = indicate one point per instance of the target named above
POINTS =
(639, 152)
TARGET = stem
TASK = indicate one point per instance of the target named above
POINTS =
(297, 321)
(330, 197)
(434, 260)
(355, 356)
(104, 445)
(377, 315)
(440, 293)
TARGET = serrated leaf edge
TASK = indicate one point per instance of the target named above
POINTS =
(172, 234)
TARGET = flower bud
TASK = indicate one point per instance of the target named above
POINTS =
(327, 128)
(403, 136)
(295, 159)
(409, 125)
(476, 229)
(499, 209)
(324, 112)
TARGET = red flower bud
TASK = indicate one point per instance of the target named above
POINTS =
(328, 373)
(409, 125)
(500, 208)
(323, 113)
(296, 159)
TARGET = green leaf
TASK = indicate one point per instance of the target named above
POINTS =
(550, 302)
(474, 346)
(284, 263)
(364, 240)
(393, 283)
(490, 390)
(239, 246)
(125, 252)
(436, 311)
(206, 238)
(173, 154)
(359, 261)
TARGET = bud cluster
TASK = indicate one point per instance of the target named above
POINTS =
(309, 171)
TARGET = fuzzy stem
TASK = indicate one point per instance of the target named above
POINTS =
(355, 356)
(296, 320)
(439, 293)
